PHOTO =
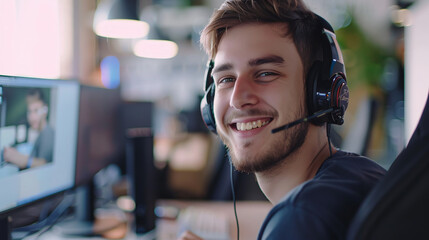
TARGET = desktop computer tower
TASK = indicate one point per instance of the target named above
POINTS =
(142, 177)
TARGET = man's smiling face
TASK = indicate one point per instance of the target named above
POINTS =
(259, 81)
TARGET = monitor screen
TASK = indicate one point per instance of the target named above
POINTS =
(100, 141)
(38, 137)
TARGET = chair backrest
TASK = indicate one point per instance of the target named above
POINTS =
(398, 206)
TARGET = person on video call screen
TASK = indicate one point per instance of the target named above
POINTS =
(38, 149)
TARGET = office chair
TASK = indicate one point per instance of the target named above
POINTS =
(398, 206)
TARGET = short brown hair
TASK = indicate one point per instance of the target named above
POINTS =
(36, 94)
(302, 24)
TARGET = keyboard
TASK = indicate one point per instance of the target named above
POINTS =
(207, 224)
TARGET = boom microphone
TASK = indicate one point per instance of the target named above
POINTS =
(306, 119)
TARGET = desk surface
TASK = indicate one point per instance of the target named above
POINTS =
(251, 214)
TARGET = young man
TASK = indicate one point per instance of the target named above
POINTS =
(274, 62)
(42, 151)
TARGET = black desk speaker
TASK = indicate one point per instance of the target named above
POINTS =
(142, 177)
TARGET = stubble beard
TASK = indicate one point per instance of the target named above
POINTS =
(285, 143)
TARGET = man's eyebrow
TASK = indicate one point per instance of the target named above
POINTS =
(268, 59)
(253, 62)
(222, 67)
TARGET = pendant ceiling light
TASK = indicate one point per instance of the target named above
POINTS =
(118, 19)
(154, 48)
(156, 45)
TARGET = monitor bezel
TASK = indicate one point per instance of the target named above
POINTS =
(10, 81)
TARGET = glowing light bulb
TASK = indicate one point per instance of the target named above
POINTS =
(158, 49)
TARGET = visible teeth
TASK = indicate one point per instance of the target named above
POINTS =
(250, 125)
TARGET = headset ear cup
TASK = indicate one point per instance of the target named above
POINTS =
(312, 82)
(207, 109)
(339, 99)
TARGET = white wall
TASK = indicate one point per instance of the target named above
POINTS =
(416, 65)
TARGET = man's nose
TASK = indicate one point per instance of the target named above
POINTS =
(244, 93)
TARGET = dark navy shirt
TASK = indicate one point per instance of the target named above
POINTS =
(322, 208)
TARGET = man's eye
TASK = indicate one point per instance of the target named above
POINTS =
(266, 74)
(225, 80)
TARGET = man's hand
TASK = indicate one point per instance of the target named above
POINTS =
(188, 235)
(12, 155)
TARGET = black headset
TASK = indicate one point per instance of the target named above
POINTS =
(327, 89)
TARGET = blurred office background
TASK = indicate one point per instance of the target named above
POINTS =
(384, 44)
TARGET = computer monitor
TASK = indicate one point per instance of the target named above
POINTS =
(100, 143)
(104, 119)
(100, 140)
(38, 137)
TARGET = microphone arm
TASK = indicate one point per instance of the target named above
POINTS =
(306, 119)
